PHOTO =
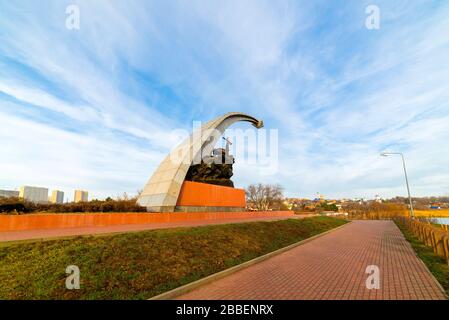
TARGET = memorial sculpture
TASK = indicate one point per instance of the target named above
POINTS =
(214, 169)
(195, 176)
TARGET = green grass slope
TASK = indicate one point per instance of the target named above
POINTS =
(141, 265)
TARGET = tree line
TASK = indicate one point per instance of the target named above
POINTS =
(18, 205)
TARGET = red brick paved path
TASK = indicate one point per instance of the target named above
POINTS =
(333, 267)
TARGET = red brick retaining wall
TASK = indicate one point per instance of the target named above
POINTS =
(55, 221)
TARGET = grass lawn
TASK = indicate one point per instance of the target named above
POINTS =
(437, 265)
(144, 264)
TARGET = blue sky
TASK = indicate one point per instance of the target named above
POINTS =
(94, 108)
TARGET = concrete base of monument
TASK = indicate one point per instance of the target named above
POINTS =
(207, 209)
(203, 197)
(177, 209)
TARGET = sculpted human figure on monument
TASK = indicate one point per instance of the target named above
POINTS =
(214, 169)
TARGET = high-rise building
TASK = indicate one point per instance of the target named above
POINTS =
(81, 196)
(9, 194)
(34, 194)
(57, 196)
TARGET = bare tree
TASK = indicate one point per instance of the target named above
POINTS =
(264, 196)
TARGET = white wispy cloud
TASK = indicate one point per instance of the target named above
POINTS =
(95, 108)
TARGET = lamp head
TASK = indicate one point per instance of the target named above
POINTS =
(384, 154)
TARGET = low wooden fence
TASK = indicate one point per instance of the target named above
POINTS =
(432, 236)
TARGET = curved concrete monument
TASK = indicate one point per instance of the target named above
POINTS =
(161, 192)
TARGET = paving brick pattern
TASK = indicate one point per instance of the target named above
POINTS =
(333, 267)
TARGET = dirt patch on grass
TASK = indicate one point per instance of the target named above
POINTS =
(141, 265)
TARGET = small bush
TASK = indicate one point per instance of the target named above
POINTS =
(327, 207)
(8, 205)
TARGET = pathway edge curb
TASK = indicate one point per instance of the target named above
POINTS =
(440, 286)
(423, 263)
(221, 274)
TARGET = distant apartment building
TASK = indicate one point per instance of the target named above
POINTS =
(9, 194)
(57, 196)
(34, 194)
(81, 196)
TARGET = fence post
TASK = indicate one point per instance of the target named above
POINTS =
(439, 244)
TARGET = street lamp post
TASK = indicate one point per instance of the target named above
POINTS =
(386, 154)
